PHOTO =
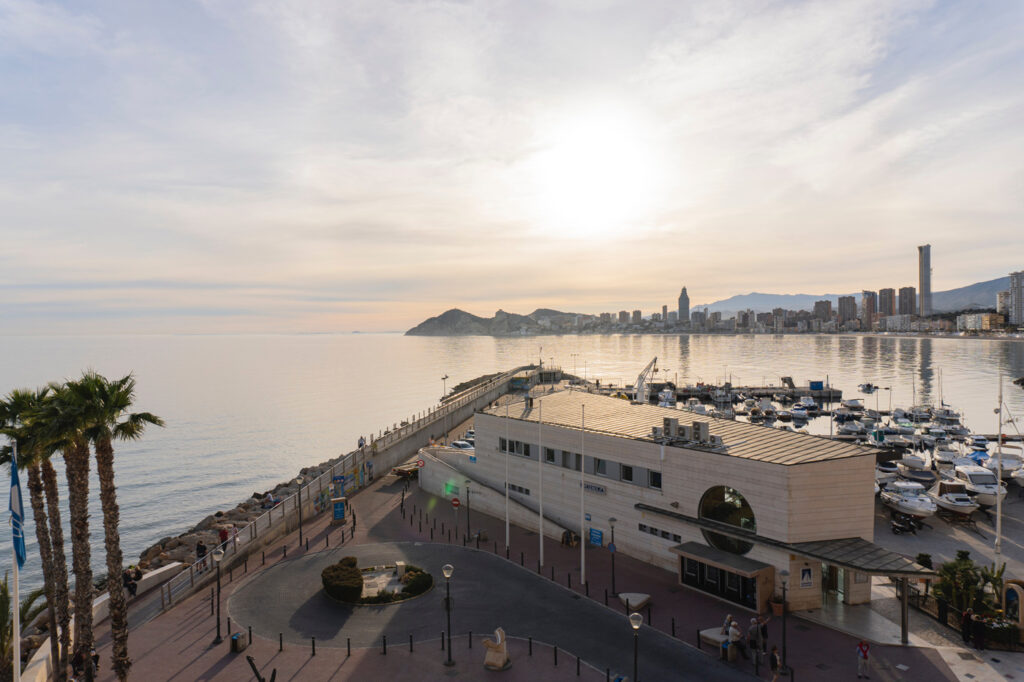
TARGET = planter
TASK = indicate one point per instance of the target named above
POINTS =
(776, 608)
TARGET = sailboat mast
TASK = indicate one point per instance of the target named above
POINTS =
(999, 477)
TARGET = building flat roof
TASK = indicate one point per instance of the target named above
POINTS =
(622, 419)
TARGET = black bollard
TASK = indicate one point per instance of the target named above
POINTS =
(449, 535)
(284, 550)
(431, 533)
(606, 596)
(442, 640)
(577, 666)
(507, 551)
(568, 580)
(470, 639)
(348, 646)
(384, 646)
(442, 527)
(649, 621)
(307, 544)
(421, 526)
(313, 640)
(556, 655)
(478, 541)
(538, 566)
(530, 644)
(586, 586)
(231, 574)
(463, 540)
(521, 559)
(495, 546)
(673, 626)
(607, 675)
(552, 571)
(246, 564)
(229, 626)
(264, 558)
(280, 641)
(211, 601)
(327, 540)
(410, 644)
(250, 634)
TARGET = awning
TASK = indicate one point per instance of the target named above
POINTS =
(851, 553)
(720, 559)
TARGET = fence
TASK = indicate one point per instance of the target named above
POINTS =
(275, 522)
(995, 637)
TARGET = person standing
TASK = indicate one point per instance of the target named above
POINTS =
(978, 630)
(736, 640)
(862, 660)
(754, 637)
(965, 625)
(200, 555)
(763, 620)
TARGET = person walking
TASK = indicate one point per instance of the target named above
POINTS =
(201, 555)
(965, 625)
(763, 620)
(754, 637)
(774, 663)
(862, 660)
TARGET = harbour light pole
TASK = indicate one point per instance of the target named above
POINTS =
(540, 478)
(444, 392)
(636, 620)
(785, 579)
(218, 555)
(508, 447)
(999, 479)
(447, 570)
(469, 527)
(583, 539)
(611, 547)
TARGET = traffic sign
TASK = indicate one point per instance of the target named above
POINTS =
(455, 502)
(420, 463)
(611, 547)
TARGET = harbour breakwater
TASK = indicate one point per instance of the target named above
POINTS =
(251, 526)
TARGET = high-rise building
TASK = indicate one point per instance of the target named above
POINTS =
(823, 310)
(637, 317)
(886, 302)
(1003, 303)
(868, 309)
(664, 313)
(698, 318)
(1017, 298)
(908, 301)
(924, 279)
(847, 308)
(623, 317)
(673, 317)
(684, 305)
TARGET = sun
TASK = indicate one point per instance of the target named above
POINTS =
(595, 175)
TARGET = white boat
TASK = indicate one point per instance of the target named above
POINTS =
(853, 428)
(695, 406)
(922, 476)
(952, 496)
(977, 442)
(1019, 477)
(908, 497)
(867, 387)
(920, 413)
(667, 398)
(767, 409)
(799, 413)
(981, 483)
(932, 436)
(915, 460)
(720, 395)
(807, 402)
(886, 471)
(1011, 463)
(944, 455)
(842, 414)
(854, 405)
(904, 428)
(784, 415)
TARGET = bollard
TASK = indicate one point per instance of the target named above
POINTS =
(250, 634)
(552, 572)
(307, 544)
(507, 551)
(264, 558)
(698, 638)
(470, 639)
(229, 625)
(556, 655)
(442, 528)
(348, 646)
(431, 533)
(577, 666)
(607, 675)
(284, 550)
(421, 526)
(327, 540)
(606, 596)
(280, 641)
(649, 621)
(410, 644)
(673, 626)
(384, 646)
(246, 564)
(313, 639)
(538, 566)
(449, 535)
(442, 640)
(586, 586)
(211, 601)
(521, 559)
(478, 541)
(495, 546)
(463, 540)
(231, 574)
(161, 597)
(530, 644)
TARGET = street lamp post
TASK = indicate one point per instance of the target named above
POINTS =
(444, 392)
(218, 555)
(636, 620)
(611, 546)
(447, 570)
(785, 579)
(469, 527)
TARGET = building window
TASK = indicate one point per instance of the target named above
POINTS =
(643, 527)
(600, 467)
(502, 445)
(579, 462)
(676, 538)
(654, 479)
(627, 473)
(665, 534)
(726, 505)
(526, 449)
(549, 455)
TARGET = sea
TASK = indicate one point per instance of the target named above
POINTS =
(246, 412)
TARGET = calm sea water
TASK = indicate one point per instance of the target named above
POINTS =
(247, 412)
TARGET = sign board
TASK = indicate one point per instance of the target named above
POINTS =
(806, 578)
(420, 463)
(455, 502)
(338, 503)
(611, 547)
(594, 488)
(587, 517)
(596, 537)
(472, 458)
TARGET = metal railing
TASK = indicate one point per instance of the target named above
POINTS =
(264, 528)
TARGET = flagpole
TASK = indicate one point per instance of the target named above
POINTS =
(540, 475)
(16, 605)
(583, 539)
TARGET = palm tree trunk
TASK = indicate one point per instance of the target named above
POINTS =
(35, 489)
(60, 567)
(115, 561)
(77, 461)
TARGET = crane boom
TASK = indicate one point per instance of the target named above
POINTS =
(641, 391)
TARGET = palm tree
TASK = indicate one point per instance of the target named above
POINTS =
(107, 420)
(27, 612)
(63, 416)
(16, 423)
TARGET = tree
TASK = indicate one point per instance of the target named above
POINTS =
(925, 560)
(27, 612)
(16, 423)
(962, 584)
(107, 419)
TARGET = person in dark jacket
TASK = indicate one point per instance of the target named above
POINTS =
(978, 630)
(965, 625)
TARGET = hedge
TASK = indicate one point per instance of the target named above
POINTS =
(343, 580)
(418, 583)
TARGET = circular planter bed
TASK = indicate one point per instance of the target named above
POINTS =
(345, 582)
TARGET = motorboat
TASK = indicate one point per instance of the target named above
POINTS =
(920, 413)
(784, 415)
(952, 496)
(981, 483)
(782, 398)
(854, 405)
(944, 455)
(852, 428)
(799, 413)
(931, 436)
(843, 414)
(977, 442)
(922, 476)
(721, 396)
(916, 460)
(767, 409)
(867, 387)
(908, 497)
(696, 406)
(945, 415)
(957, 430)
(873, 414)
(1011, 462)
(886, 472)
(666, 397)
(807, 402)
(1018, 476)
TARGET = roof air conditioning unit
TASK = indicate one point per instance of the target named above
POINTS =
(671, 427)
(702, 431)
(657, 432)
(686, 433)
(716, 441)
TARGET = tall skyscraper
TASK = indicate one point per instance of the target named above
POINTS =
(684, 305)
(664, 313)
(868, 309)
(847, 308)
(886, 302)
(1017, 298)
(823, 310)
(924, 279)
(1003, 303)
(908, 301)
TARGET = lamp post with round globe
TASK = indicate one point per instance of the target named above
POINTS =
(611, 523)
(447, 570)
(785, 580)
(636, 620)
(218, 555)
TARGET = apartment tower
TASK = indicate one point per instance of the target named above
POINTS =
(924, 277)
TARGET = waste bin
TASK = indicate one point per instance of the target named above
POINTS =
(238, 643)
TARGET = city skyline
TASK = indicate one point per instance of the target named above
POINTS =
(211, 168)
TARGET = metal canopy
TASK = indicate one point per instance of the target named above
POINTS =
(727, 560)
(852, 553)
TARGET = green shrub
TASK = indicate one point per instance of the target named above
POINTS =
(382, 597)
(343, 581)
(418, 583)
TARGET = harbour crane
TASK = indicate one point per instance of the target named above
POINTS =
(641, 390)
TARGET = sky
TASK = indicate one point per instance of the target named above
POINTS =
(325, 166)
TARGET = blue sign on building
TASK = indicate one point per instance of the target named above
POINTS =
(339, 510)
(596, 537)
(472, 458)
(587, 517)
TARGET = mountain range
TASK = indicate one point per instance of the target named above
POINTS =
(457, 322)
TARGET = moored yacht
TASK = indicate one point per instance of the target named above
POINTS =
(981, 483)
(952, 496)
(1011, 462)
(908, 497)
(977, 442)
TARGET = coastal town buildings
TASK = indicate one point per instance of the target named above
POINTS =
(924, 275)
(1003, 303)
(1017, 298)
(908, 301)
(823, 310)
(979, 322)
(868, 309)
(847, 309)
(684, 305)
(886, 302)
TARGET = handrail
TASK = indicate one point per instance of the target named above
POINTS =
(185, 582)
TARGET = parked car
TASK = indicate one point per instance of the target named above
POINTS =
(461, 445)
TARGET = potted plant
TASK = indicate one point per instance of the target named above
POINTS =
(776, 602)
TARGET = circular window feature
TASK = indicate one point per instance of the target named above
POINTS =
(726, 505)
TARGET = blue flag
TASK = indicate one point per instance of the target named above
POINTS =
(17, 514)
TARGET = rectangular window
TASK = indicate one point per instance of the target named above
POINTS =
(627, 473)
(653, 531)
(502, 445)
(566, 459)
(654, 479)
(676, 538)
(518, 446)
(526, 449)
(665, 534)
(600, 467)
(549, 455)
(643, 527)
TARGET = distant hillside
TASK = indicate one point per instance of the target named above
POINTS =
(457, 322)
(979, 295)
